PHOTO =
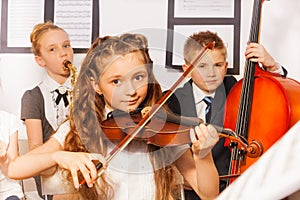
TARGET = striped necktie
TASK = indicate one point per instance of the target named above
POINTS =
(208, 101)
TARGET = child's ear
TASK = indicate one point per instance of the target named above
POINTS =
(226, 66)
(184, 68)
(95, 86)
(39, 61)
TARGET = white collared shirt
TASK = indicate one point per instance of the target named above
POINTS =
(200, 104)
(55, 114)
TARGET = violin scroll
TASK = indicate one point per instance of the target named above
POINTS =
(255, 149)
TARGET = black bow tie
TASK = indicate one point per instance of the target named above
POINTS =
(62, 94)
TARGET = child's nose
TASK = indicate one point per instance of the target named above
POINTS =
(130, 89)
(63, 52)
(211, 70)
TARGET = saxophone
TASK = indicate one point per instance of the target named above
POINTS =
(69, 66)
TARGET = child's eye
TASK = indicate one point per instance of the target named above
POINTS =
(67, 45)
(201, 65)
(116, 81)
(52, 49)
(219, 64)
(139, 77)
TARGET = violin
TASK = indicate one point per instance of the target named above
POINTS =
(164, 129)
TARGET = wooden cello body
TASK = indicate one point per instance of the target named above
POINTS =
(261, 107)
(275, 108)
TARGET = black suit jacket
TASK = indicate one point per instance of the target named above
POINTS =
(182, 102)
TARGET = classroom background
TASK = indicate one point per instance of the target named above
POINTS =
(280, 32)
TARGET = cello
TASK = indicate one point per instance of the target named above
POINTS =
(261, 107)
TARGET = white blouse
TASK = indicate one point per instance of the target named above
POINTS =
(131, 171)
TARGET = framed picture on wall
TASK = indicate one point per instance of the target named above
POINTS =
(17, 20)
(80, 19)
(188, 17)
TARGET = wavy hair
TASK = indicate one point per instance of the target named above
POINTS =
(88, 110)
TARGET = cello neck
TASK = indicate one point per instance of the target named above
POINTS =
(248, 82)
(246, 95)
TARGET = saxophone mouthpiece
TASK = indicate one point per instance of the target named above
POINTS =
(67, 65)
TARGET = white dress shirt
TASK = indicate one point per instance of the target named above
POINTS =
(200, 104)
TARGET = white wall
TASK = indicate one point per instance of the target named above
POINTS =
(281, 31)
(280, 35)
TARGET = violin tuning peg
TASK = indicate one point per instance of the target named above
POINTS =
(145, 110)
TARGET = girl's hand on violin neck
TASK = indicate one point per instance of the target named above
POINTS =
(78, 162)
(203, 140)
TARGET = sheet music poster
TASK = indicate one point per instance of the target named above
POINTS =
(21, 17)
(204, 8)
(75, 16)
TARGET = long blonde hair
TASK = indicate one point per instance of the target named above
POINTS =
(88, 109)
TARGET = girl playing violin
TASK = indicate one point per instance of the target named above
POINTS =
(117, 73)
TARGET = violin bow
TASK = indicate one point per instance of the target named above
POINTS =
(130, 136)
